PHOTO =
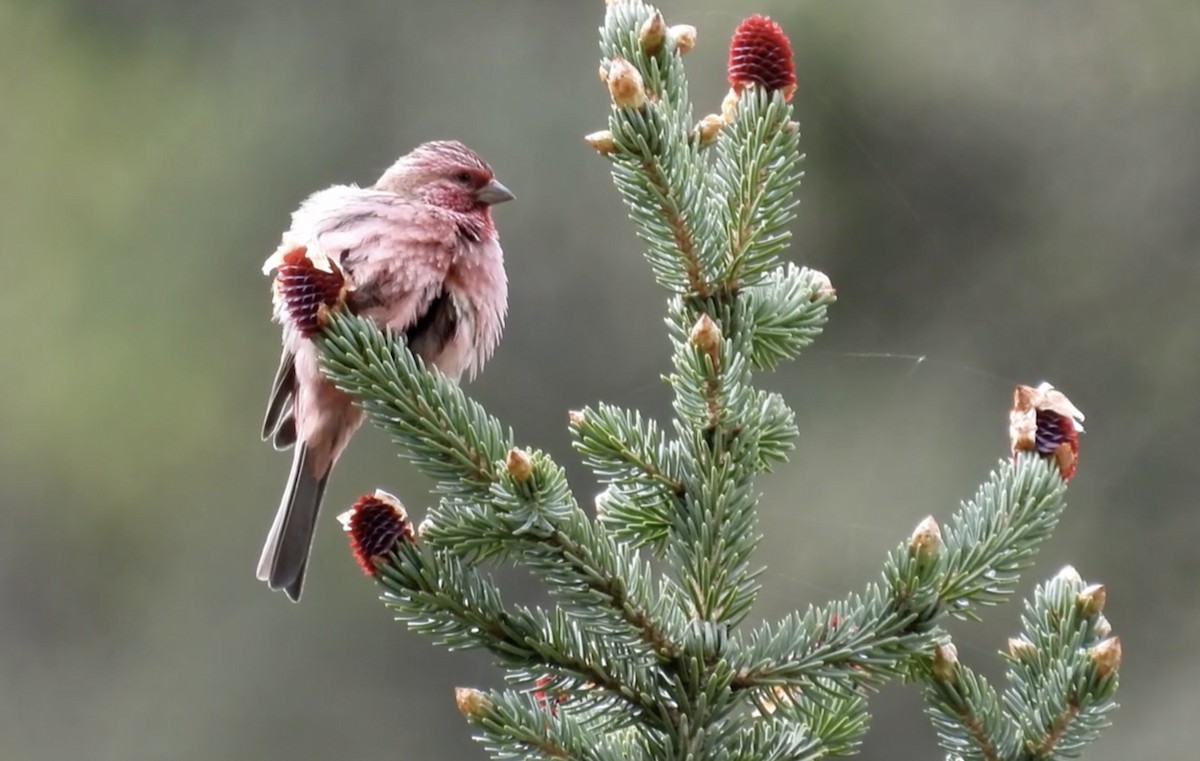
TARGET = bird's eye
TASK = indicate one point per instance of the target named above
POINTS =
(463, 177)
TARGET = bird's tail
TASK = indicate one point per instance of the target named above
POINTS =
(285, 555)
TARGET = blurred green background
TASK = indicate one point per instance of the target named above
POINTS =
(1009, 190)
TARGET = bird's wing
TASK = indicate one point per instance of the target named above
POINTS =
(396, 252)
(279, 404)
(434, 328)
(364, 223)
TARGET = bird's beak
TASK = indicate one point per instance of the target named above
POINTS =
(493, 193)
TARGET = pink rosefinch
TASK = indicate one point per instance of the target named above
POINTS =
(420, 256)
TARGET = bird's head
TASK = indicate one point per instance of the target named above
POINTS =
(447, 174)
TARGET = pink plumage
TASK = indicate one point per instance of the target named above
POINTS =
(420, 255)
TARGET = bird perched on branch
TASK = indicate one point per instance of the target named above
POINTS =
(417, 252)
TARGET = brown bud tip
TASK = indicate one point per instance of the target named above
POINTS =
(945, 662)
(684, 36)
(652, 33)
(706, 336)
(926, 542)
(709, 128)
(779, 697)
(471, 702)
(625, 84)
(1069, 576)
(602, 141)
(376, 523)
(1091, 600)
(424, 527)
(1044, 420)
(761, 55)
(575, 417)
(309, 284)
(822, 286)
(604, 73)
(519, 464)
(1021, 649)
(1106, 656)
(729, 106)
(601, 503)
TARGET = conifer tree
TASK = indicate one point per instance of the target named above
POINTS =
(631, 662)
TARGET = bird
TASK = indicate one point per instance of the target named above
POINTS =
(420, 255)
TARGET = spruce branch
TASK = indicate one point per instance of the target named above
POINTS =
(1062, 678)
(757, 173)
(995, 536)
(629, 454)
(630, 663)
(861, 640)
(966, 711)
(463, 446)
(517, 726)
(776, 739)
(715, 406)
(1063, 667)
(873, 636)
(622, 448)
(655, 165)
(833, 716)
(727, 430)
(446, 435)
(438, 595)
(786, 313)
